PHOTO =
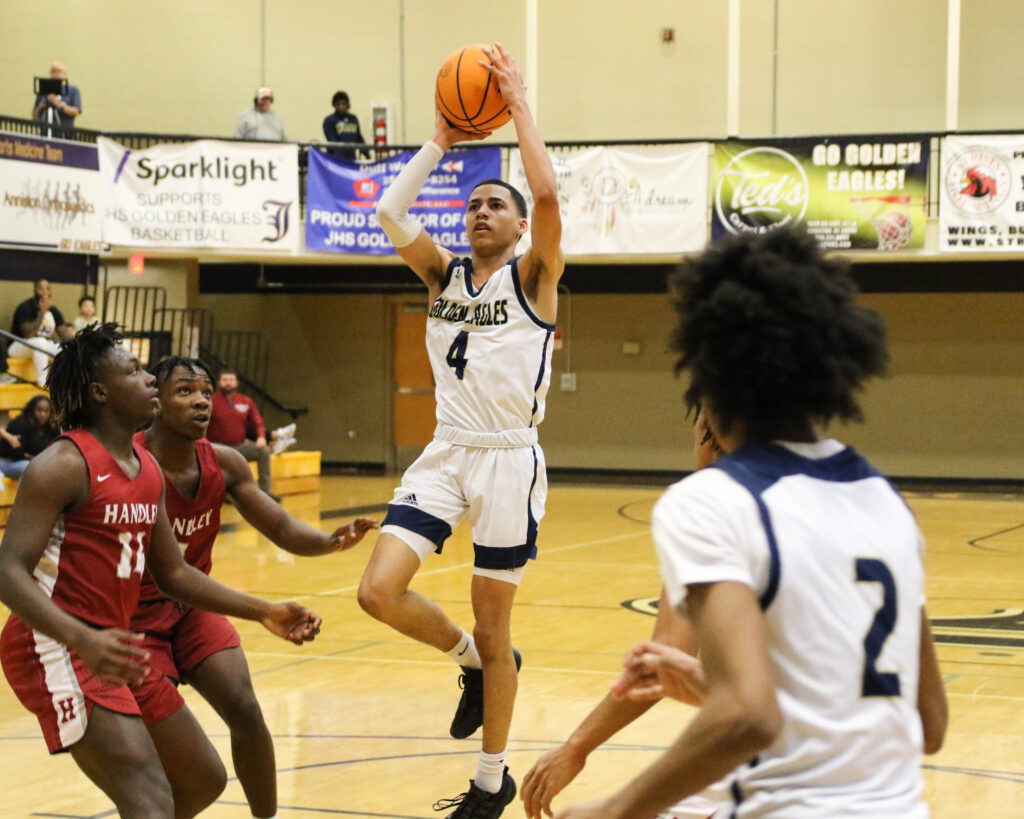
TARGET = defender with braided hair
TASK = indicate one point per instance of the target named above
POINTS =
(88, 519)
(796, 562)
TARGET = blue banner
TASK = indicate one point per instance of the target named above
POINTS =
(341, 196)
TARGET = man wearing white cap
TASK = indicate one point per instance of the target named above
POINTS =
(259, 122)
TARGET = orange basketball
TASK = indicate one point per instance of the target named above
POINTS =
(467, 93)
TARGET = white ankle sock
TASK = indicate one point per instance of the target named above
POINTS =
(489, 771)
(464, 652)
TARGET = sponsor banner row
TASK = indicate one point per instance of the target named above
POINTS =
(855, 192)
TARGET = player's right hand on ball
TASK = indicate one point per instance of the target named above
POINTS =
(113, 655)
(292, 622)
(547, 778)
(446, 134)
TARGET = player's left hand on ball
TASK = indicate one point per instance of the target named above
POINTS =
(345, 537)
(505, 70)
(292, 622)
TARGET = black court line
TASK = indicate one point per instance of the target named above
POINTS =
(976, 542)
(622, 513)
(350, 511)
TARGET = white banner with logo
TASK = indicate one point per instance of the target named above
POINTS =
(981, 198)
(205, 193)
(50, 192)
(628, 200)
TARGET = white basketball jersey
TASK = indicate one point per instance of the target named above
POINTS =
(835, 558)
(490, 354)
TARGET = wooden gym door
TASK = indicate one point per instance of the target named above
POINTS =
(414, 405)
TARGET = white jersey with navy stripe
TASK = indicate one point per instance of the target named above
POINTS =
(490, 353)
(834, 556)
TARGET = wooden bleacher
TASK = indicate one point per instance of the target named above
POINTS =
(293, 472)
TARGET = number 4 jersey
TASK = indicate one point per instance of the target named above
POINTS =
(490, 354)
(93, 564)
(834, 556)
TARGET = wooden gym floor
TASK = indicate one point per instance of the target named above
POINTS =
(360, 717)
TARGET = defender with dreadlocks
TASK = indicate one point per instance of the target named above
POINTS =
(796, 562)
(87, 521)
(196, 646)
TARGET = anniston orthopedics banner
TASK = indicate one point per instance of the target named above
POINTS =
(205, 193)
(850, 192)
(981, 193)
(628, 200)
(51, 195)
(341, 196)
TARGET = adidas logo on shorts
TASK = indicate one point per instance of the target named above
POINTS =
(410, 499)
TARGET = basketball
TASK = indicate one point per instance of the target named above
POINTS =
(468, 95)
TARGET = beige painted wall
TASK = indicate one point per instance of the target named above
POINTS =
(950, 408)
(843, 65)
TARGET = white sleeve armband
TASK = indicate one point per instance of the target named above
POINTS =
(393, 208)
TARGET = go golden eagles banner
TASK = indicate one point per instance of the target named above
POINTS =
(850, 192)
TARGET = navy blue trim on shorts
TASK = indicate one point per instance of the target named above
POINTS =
(503, 557)
(422, 523)
(523, 302)
(758, 467)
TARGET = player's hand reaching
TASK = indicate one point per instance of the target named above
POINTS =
(345, 537)
(505, 70)
(113, 655)
(654, 670)
(548, 777)
(292, 622)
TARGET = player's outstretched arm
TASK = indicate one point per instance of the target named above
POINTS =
(544, 261)
(931, 695)
(740, 715)
(185, 583)
(55, 481)
(417, 249)
(273, 522)
(559, 766)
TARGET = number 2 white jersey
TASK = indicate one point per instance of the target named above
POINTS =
(834, 556)
(490, 354)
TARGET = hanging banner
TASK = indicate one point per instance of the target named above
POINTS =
(851, 193)
(631, 200)
(51, 195)
(981, 193)
(205, 193)
(341, 196)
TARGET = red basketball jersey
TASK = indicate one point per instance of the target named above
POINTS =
(195, 521)
(93, 564)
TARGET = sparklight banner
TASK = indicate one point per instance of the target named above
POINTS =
(205, 193)
(981, 193)
(630, 200)
(341, 196)
(850, 192)
(50, 192)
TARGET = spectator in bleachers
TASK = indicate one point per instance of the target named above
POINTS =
(343, 126)
(259, 122)
(86, 313)
(26, 436)
(65, 107)
(41, 324)
(236, 422)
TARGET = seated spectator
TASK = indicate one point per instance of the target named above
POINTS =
(86, 313)
(236, 422)
(26, 436)
(41, 324)
(343, 126)
(259, 122)
(59, 109)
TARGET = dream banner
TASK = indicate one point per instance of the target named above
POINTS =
(51, 195)
(205, 193)
(628, 200)
(849, 192)
(341, 196)
(981, 193)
